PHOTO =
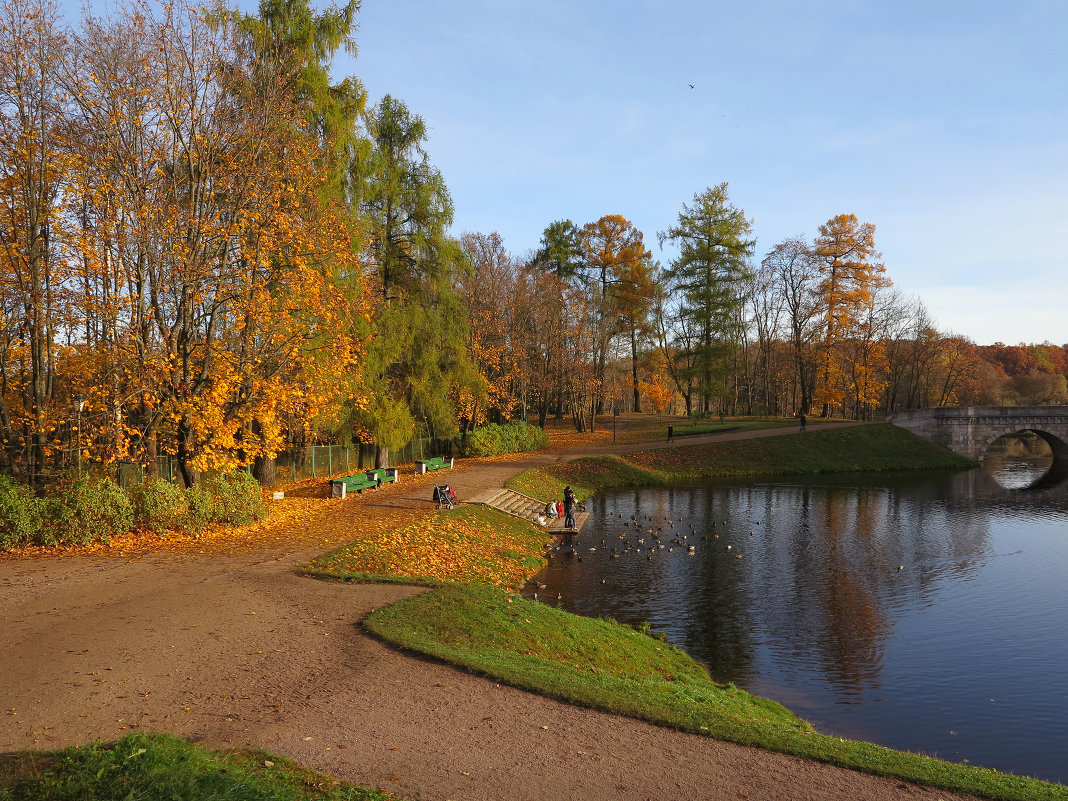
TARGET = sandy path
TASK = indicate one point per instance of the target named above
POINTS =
(237, 649)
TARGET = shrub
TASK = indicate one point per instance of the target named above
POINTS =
(86, 510)
(200, 507)
(20, 514)
(235, 499)
(159, 505)
(515, 437)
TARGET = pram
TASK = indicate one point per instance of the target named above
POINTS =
(444, 496)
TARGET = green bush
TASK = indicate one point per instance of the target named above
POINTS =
(515, 437)
(86, 510)
(20, 514)
(200, 508)
(235, 499)
(159, 505)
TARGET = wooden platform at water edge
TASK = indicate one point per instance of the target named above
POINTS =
(526, 508)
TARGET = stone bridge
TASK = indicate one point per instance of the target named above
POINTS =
(968, 430)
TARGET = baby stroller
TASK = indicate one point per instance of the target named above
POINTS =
(444, 497)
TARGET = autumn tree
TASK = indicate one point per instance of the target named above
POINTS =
(489, 293)
(37, 159)
(619, 269)
(849, 277)
(195, 220)
(714, 241)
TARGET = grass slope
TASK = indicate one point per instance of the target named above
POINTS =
(605, 665)
(879, 447)
(159, 766)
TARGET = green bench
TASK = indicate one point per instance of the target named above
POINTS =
(435, 463)
(384, 475)
(358, 482)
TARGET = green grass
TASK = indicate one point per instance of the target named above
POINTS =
(159, 766)
(655, 430)
(605, 665)
(879, 447)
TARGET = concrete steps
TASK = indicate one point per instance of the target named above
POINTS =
(524, 507)
(513, 503)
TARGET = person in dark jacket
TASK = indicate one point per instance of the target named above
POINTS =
(569, 509)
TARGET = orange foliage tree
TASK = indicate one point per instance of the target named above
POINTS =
(206, 255)
(36, 158)
(850, 275)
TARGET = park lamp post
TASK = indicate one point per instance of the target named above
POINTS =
(78, 402)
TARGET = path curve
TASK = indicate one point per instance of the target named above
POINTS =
(238, 650)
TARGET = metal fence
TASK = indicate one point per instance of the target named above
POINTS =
(313, 461)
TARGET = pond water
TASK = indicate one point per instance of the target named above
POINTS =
(923, 612)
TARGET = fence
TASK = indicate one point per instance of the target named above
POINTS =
(313, 461)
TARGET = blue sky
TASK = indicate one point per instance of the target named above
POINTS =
(943, 123)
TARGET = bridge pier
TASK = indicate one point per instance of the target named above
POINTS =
(969, 430)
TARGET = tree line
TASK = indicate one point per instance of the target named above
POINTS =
(215, 251)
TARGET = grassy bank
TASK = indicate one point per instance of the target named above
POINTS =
(878, 447)
(611, 667)
(158, 766)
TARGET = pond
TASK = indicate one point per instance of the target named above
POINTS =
(923, 612)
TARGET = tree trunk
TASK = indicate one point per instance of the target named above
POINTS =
(265, 471)
(634, 368)
(185, 430)
(381, 456)
(152, 457)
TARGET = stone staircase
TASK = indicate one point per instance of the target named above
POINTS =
(512, 503)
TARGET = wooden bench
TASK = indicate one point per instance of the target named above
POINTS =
(435, 463)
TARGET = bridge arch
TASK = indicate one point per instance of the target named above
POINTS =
(1057, 445)
(969, 430)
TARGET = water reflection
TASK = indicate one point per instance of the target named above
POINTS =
(1019, 461)
(885, 608)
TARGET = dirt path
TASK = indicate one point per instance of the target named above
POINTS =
(231, 647)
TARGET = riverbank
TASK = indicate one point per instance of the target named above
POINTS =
(225, 644)
(868, 448)
(606, 666)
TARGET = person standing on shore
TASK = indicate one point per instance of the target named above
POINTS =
(569, 509)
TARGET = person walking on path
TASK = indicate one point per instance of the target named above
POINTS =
(804, 421)
(569, 509)
(671, 432)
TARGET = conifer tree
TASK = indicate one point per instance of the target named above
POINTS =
(714, 240)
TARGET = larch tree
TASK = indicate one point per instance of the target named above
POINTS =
(849, 276)
(715, 242)
(417, 355)
(292, 46)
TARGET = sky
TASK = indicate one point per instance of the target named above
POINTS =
(942, 122)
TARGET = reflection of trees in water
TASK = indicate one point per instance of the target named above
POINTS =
(818, 588)
(828, 580)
